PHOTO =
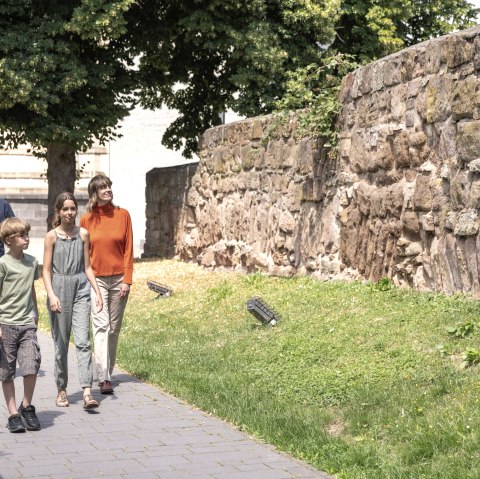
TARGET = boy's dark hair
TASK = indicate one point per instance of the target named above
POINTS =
(13, 227)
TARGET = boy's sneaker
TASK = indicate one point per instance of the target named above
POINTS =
(29, 416)
(15, 423)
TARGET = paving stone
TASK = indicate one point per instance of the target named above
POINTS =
(139, 432)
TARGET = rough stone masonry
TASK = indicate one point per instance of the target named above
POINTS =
(400, 200)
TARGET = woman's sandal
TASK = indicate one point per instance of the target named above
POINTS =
(89, 402)
(62, 400)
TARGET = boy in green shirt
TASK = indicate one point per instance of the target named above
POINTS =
(18, 323)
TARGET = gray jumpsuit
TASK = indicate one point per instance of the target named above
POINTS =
(71, 286)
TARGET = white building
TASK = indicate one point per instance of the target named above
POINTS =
(125, 161)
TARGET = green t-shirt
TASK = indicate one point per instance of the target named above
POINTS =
(16, 281)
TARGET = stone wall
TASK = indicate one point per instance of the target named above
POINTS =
(401, 199)
(247, 205)
(410, 154)
(166, 212)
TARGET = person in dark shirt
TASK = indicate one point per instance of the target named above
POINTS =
(5, 212)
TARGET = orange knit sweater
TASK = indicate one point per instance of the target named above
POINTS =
(111, 241)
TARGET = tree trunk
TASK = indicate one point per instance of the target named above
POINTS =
(61, 174)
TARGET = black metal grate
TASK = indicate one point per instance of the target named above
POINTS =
(262, 311)
(159, 288)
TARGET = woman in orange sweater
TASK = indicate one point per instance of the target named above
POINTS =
(111, 254)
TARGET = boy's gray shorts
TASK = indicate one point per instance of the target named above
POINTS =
(19, 343)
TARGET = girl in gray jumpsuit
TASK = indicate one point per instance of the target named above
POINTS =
(68, 276)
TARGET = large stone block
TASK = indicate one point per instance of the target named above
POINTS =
(457, 50)
(398, 97)
(438, 107)
(465, 97)
(410, 222)
(247, 155)
(393, 73)
(422, 197)
(474, 195)
(382, 157)
(394, 200)
(359, 152)
(448, 52)
(257, 129)
(467, 224)
(446, 147)
(401, 153)
(468, 140)
(476, 54)
(459, 190)
(376, 201)
(362, 197)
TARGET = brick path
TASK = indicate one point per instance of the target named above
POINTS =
(139, 432)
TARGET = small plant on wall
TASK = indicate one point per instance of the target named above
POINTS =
(312, 93)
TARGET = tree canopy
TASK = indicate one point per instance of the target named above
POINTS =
(71, 70)
(213, 55)
(206, 56)
(62, 80)
(370, 29)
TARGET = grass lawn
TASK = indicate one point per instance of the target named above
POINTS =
(360, 380)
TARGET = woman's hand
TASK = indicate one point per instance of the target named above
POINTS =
(55, 305)
(124, 290)
(98, 302)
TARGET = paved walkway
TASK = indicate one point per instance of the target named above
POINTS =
(139, 432)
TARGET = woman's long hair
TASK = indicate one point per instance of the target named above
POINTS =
(97, 182)
(59, 201)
